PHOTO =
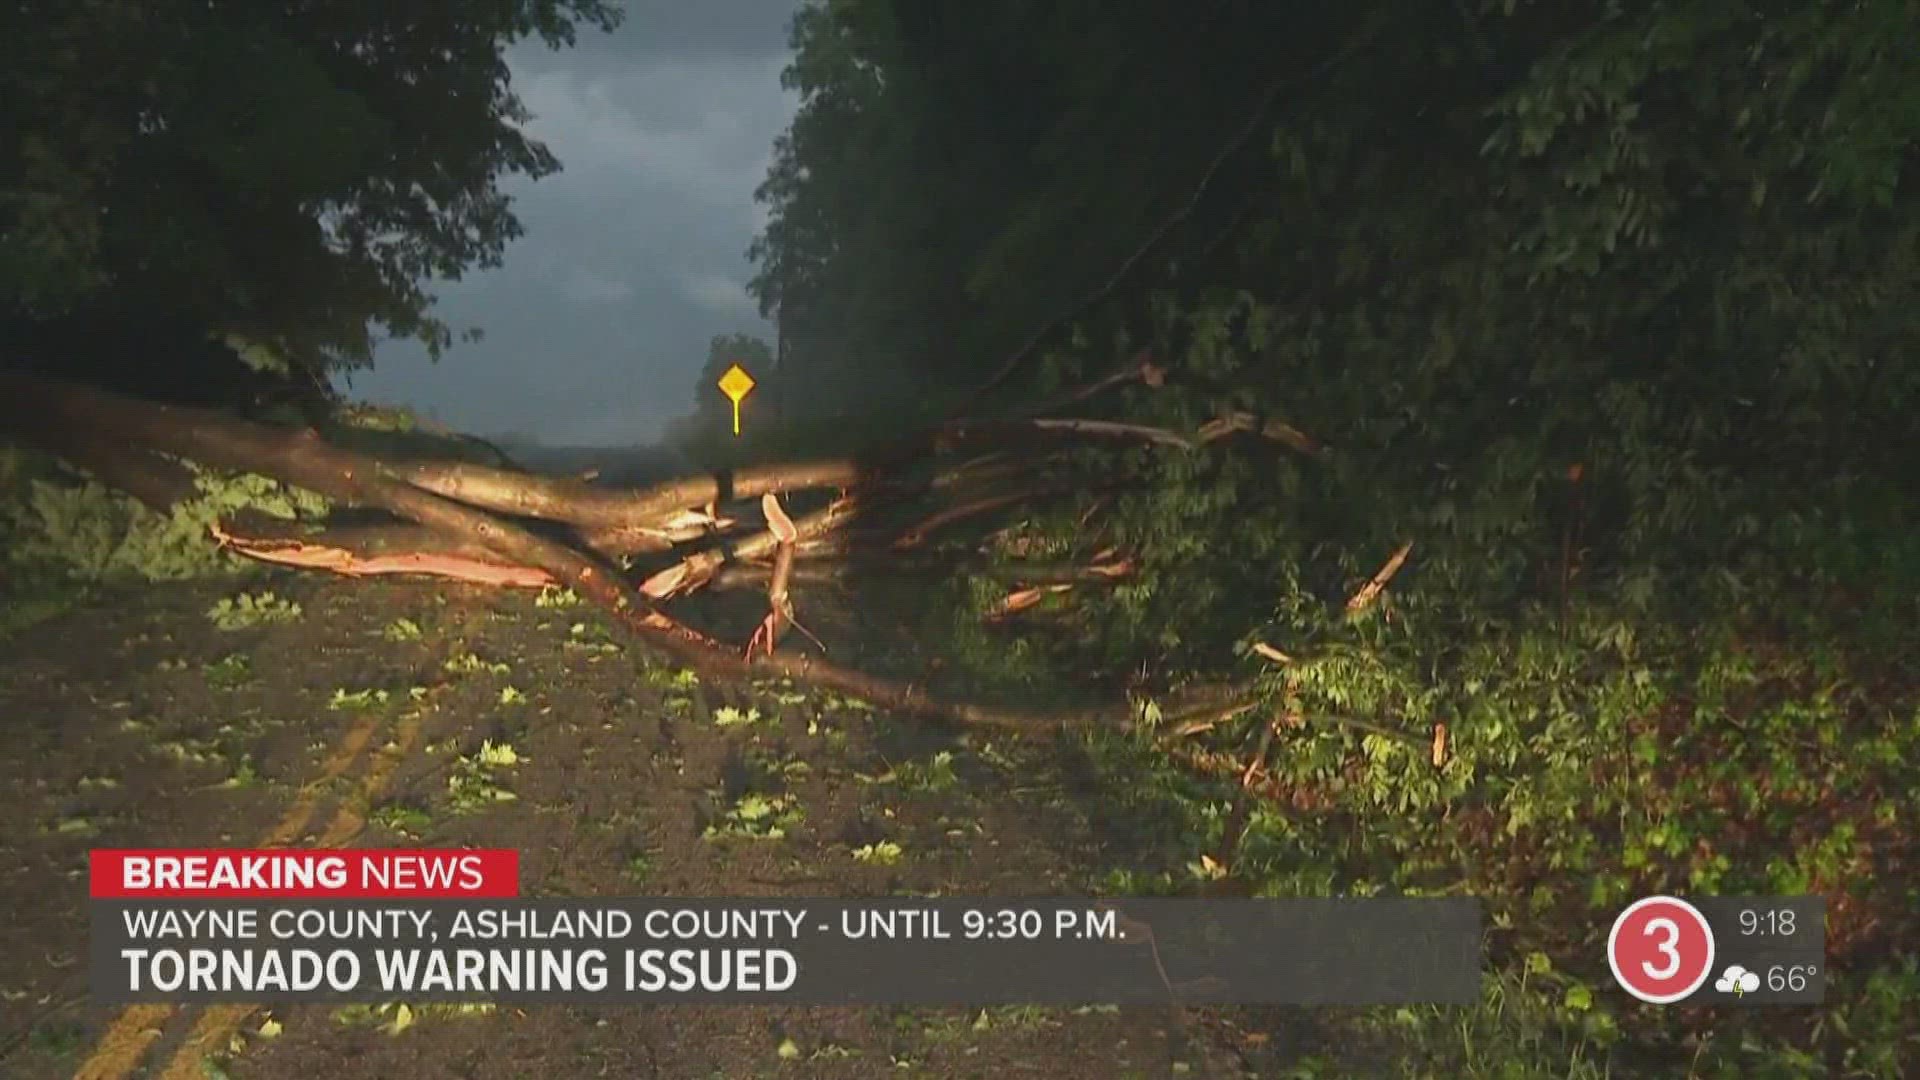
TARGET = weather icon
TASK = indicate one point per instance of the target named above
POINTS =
(1737, 981)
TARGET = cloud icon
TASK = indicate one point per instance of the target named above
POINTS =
(1737, 981)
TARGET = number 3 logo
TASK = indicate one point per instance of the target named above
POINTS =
(1661, 949)
(1664, 948)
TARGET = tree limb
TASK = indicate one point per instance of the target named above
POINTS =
(699, 568)
(581, 504)
(303, 459)
(632, 521)
(313, 555)
(1245, 422)
(1370, 592)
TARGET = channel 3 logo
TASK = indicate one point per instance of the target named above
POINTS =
(1661, 950)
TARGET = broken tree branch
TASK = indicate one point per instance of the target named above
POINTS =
(675, 528)
(307, 555)
(1271, 653)
(581, 504)
(1140, 369)
(1021, 599)
(1371, 591)
(1022, 573)
(636, 520)
(1237, 820)
(302, 459)
(779, 600)
(1279, 431)
(697, 569)
(917, 535)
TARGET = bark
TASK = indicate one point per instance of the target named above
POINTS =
(154, 481)
(460, 507)
(678, 527)
(779, 598)
(1272, 429)
(699, 568)
(315, 554)
(581, 504)
(632, 520)
(301, 458)
(1377, 584)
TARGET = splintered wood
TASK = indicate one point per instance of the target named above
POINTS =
(1371, 591)
(779, 599)
(339, 560)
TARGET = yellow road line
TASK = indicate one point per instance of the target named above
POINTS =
(215, 1029)
(295, 821)
(348, 819)
(124, 1043)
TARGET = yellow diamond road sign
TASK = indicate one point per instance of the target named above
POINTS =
(736, 384)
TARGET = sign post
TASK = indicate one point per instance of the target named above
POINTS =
(736, 384)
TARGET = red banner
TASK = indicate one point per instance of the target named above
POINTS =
(363, 873)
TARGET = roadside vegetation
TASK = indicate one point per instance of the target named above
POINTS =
(1518, 404)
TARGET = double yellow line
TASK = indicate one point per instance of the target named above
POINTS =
(124, 1044)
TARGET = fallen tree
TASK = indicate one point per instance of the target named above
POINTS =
(500, 527)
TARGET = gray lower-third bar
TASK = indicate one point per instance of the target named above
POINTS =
(904, 952)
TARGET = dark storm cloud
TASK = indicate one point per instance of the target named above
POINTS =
(634, 255)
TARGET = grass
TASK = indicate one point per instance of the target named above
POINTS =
(936, 774)
(244, 610)
(470, 664)
(882, 853)
(754, 816)
(229, 672)
(1593, 762)
(476, 780)
(348, 700)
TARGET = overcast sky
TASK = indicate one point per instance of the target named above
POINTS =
(635, 253)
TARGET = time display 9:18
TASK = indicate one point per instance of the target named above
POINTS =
(1770, 922)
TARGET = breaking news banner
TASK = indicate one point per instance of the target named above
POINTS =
(376, 925)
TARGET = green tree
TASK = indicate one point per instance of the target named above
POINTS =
(1473, 246)
(294, 174)
(1607, 306)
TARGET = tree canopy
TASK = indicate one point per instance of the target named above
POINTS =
(1471, 245)
(1605, 310)
(291, 174)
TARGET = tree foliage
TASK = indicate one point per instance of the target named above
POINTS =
(1608, 307)
(294, 174)
(1470, 246)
